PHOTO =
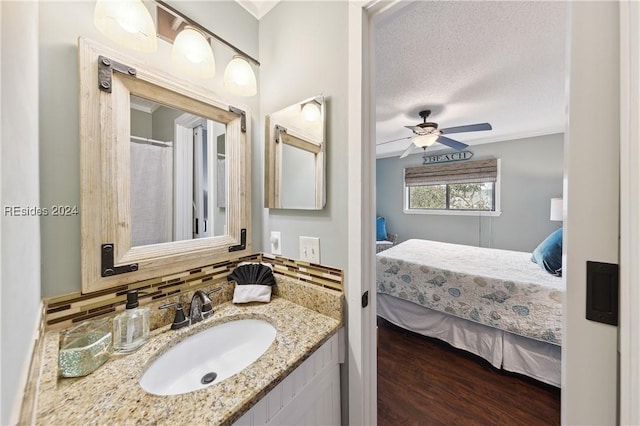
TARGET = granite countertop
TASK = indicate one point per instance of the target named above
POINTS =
(112, 394)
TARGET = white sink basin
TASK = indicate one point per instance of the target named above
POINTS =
(224, 349)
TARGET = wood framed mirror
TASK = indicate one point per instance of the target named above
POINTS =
(295, 148)
(165, 172)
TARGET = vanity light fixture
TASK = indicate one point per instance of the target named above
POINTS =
(127, 22)
(239, 77)
(311, 111)
(191, 51)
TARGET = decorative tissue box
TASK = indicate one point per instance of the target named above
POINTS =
(84, 348)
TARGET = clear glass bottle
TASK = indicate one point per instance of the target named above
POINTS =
(131, 327)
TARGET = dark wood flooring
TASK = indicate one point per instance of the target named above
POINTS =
(423, 381)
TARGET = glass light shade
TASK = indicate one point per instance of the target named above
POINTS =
(192, 53)
(556, 209)
(127, 22)
(239, 77)
(311, 111)
(424, 141)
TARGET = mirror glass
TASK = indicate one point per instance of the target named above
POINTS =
(295, 151)
(178, 175)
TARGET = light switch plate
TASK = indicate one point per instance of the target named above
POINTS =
(276, 242)
(310, 249)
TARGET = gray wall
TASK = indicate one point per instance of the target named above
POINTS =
(531, 174)
(141, 124)
(303, 49)
(20, 249)
(162, 123)
(59, 142)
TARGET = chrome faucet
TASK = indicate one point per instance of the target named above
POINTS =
(200, 307)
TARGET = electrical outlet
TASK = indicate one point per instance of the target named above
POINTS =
(276, 242)
(310, 249)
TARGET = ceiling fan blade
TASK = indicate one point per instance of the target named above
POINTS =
(467, 128)
(408, 150)
(394, 140)
(451, 143)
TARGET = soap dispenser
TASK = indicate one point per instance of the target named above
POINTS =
(131, 327)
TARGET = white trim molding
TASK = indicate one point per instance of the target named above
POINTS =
(629, 340)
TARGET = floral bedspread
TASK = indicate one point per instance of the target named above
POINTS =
(498, 288)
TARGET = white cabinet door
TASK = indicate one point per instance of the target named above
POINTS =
(310, 395)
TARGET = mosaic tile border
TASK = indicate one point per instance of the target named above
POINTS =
(67, 310)
(312, 273)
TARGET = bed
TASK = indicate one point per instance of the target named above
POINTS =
(497, 304)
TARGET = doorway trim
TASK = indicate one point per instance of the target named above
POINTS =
(360, 277)
(629, 339)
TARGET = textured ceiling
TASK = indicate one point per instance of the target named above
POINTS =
(470, 62)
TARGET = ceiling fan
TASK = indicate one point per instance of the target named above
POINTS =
(427, 133)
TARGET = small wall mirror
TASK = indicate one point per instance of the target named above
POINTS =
(295, 150)
(165, 173)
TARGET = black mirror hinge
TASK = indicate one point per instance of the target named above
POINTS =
(243, 241)
(243, 117)
(106, 67)
(107, 268)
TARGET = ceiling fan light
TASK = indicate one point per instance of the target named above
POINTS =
(127, 22)
(192, 52)
(239, 77)
(424, 141)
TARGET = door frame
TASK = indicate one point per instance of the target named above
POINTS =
(361, 353)
(182, 180)
(629, 340)
(360, 276)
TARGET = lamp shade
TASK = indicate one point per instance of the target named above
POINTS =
(192, 53)
(556, 209)
(424, 141)
(239, 77)
(127, 22)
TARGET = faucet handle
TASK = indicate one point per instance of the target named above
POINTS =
(179, 320)
(206, 308)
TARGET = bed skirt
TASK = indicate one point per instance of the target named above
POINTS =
(533, 358)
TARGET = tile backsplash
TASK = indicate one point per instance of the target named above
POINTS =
(64, 311)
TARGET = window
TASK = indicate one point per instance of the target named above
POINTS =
(459, 188)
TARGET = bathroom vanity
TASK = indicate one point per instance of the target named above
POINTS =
(296, 380)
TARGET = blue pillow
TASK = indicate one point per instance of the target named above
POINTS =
(381, 229)
(548, 254)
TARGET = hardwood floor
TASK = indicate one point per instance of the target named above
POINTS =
(423, 381)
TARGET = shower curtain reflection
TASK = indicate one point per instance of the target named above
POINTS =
(151, 191)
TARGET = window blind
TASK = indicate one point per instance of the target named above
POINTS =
(461, 172)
